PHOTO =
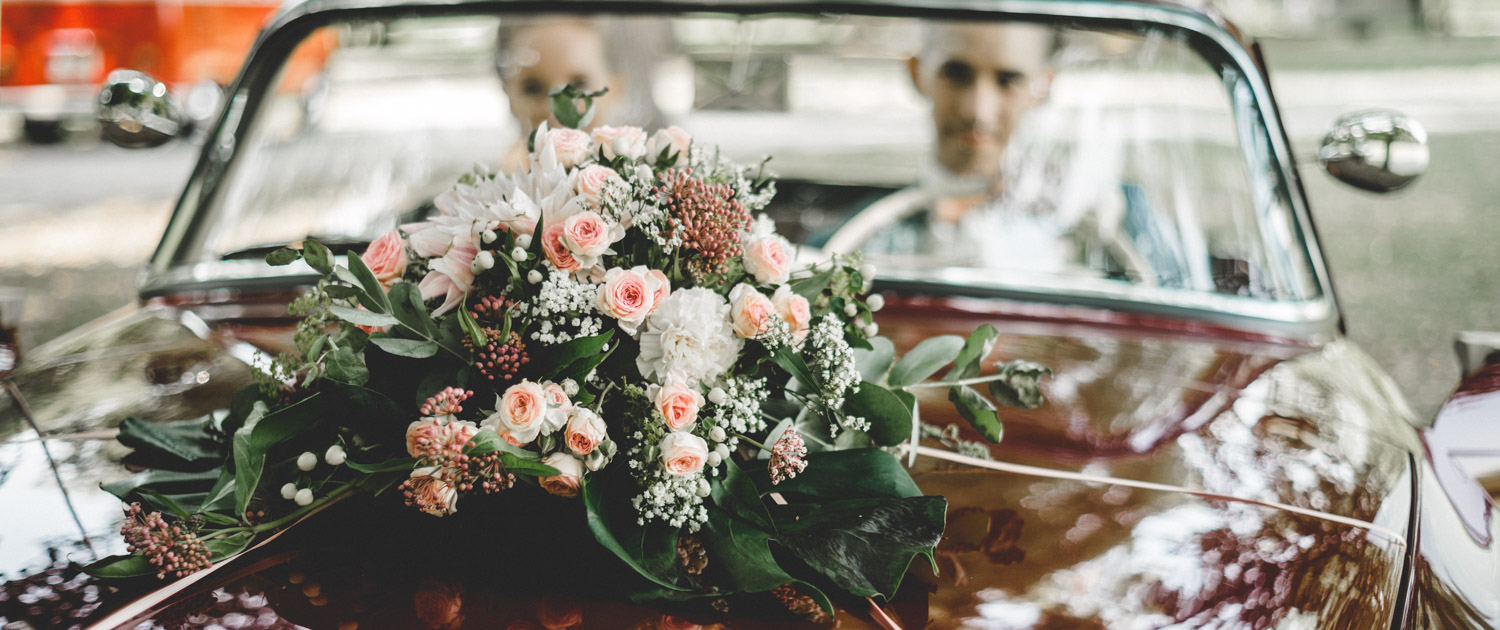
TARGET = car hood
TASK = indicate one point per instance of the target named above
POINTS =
(1231, 478)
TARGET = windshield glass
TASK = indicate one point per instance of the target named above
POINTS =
(1098, 159)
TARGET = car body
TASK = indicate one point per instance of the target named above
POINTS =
(1205, 458)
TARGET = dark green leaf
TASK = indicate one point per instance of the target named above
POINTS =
(249, 461)
(602, 527)
(221, 496)
(812, 286)
(483, 442)
(740, 553)
(342, 292)
(161, 481)
(788, 359)
(221, 548)
(185, 443)
(521, 466)
(367, 280)
(735, 493)
(166, 503)
(925, 360)
(347, 367)
(853, 474)
(283, 257)
(395, 464)
(412, 348)
(467, 323)
(558, 358)
(122, 566)
(291, 420)
(976, 348)
(317, 256)
(865, 545)
(1020, 384)
(890, 418)
(407, 306)
(875, 362)
(361, 317)
(978, 410)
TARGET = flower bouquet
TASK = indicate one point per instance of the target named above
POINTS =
(611, 324)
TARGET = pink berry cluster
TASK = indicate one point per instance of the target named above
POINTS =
(787, 457)
(499, 360)
(170, 548)
(448, 402)
(706, 218)
(491, 309)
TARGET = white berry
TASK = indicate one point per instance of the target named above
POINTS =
(717, 396)
(335, 455)
(307, 461)
(489, 236)
(523, 240)
(304, 497)
(534, 276)
(518, 254)
(717, 434)
(288, 491)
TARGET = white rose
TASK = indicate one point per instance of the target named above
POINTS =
(572, 146)
(631, 139)
(674, 140)
(769, 259)
(683, 454)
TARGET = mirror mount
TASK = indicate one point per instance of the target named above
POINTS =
(136, 111)
(1376, 150)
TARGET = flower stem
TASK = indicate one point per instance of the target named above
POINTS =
(965, 381)
(751, 442)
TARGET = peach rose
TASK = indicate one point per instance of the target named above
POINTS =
(674, 140)
(627, 295)
(426, 437)
(592, 180)
(750, 311)
(431, 494)
(683, 454)
(794, 309)
(571, 146)
(663, 287)
(557, 397)
(386, 258)
(585, 431)
(587, 236)
(679, 405)
(520, 413)
(627, 141)
(568, 478)
(768, 259)
(557, 252)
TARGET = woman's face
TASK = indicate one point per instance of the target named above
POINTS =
(547, 56)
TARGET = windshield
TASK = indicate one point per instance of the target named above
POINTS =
(1066, 157)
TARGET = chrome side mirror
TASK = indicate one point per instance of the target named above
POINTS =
(136, 111)
(1375, 150)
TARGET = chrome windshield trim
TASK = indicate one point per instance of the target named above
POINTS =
(225, 274)
(1319, 313)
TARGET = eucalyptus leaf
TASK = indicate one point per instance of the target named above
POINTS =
(317, 256)
(367, 280)
(411, 348)
(362, 317)
(787, 359)
(978, 410)
(874, 363)
(812, 286)
(976, 348)
(925, 360)
(889, 417)
(283, 257)
(1019, 384)
(864, 546)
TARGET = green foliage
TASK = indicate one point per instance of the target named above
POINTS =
(572, 107)
(978, 410)
(889, 417)
(1020, 384)
(283, 257)
(976, 348)
(175, 446)
(873, 363)
(865, 545)
(925, 360)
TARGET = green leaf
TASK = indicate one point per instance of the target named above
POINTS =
(283, 257)
(873, 364)
(412, 348)
(521, 466)
(557, 359)
(890, 418)
(407, 306)
(853, 474)
(221, 496)
(394, 464)
(735, 493)
(1020, 384)
(249, 461)
(222, 548)
(787, 359)
(361, 317)
(467, 323)
(121, 566)
(978, 410)
(740, 553)
(367, 280)
(166, 503)
(341, 292)
(600, 524)
(284, 423)
(925, 360)
(317, 256)
(162, 481)
(864, 546)
(812, 286)
(976, 348)
(183, 443)
(345, 366)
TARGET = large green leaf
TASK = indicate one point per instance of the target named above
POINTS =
(249, 461)
(369, 283)
(976, 348)
(853, 474)
(978, 410)
(611, 532)
(925, 360)
(407, 307)
(1020, 384)
(875, 362)
(787, 359)
(121, 566)
(175, 445)
(411, 348)
(889, 417)
(162, 481)
(345, 366)
(865, 545)
(740, 554)
(263, 430)
(812, 286)
(559, 359)
(362, 317)
(395, 464)
(222, 548)
(735, 493)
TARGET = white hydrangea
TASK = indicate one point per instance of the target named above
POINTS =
(689, 338)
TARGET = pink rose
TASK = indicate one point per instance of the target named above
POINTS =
(585, 431)
(627, 141)
(429, 493)
(426, 437)
(794, 309)
(386, 258)
(568, 478)
(679, 405)
(674, 140)
(522, 412)
(663, 287)
(683, 454)
(571, 146)
(750, 311)
(627, 295)
(768, 260)
(557, 252)
(592, 180)
(586, 234)
(557, 396)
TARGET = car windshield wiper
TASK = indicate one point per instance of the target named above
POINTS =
(335, 244)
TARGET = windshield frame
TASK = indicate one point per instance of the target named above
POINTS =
(169, 272)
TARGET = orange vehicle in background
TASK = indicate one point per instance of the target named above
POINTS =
(55, 54)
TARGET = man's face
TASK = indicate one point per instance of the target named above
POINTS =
(548, 56)
(981, 79)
